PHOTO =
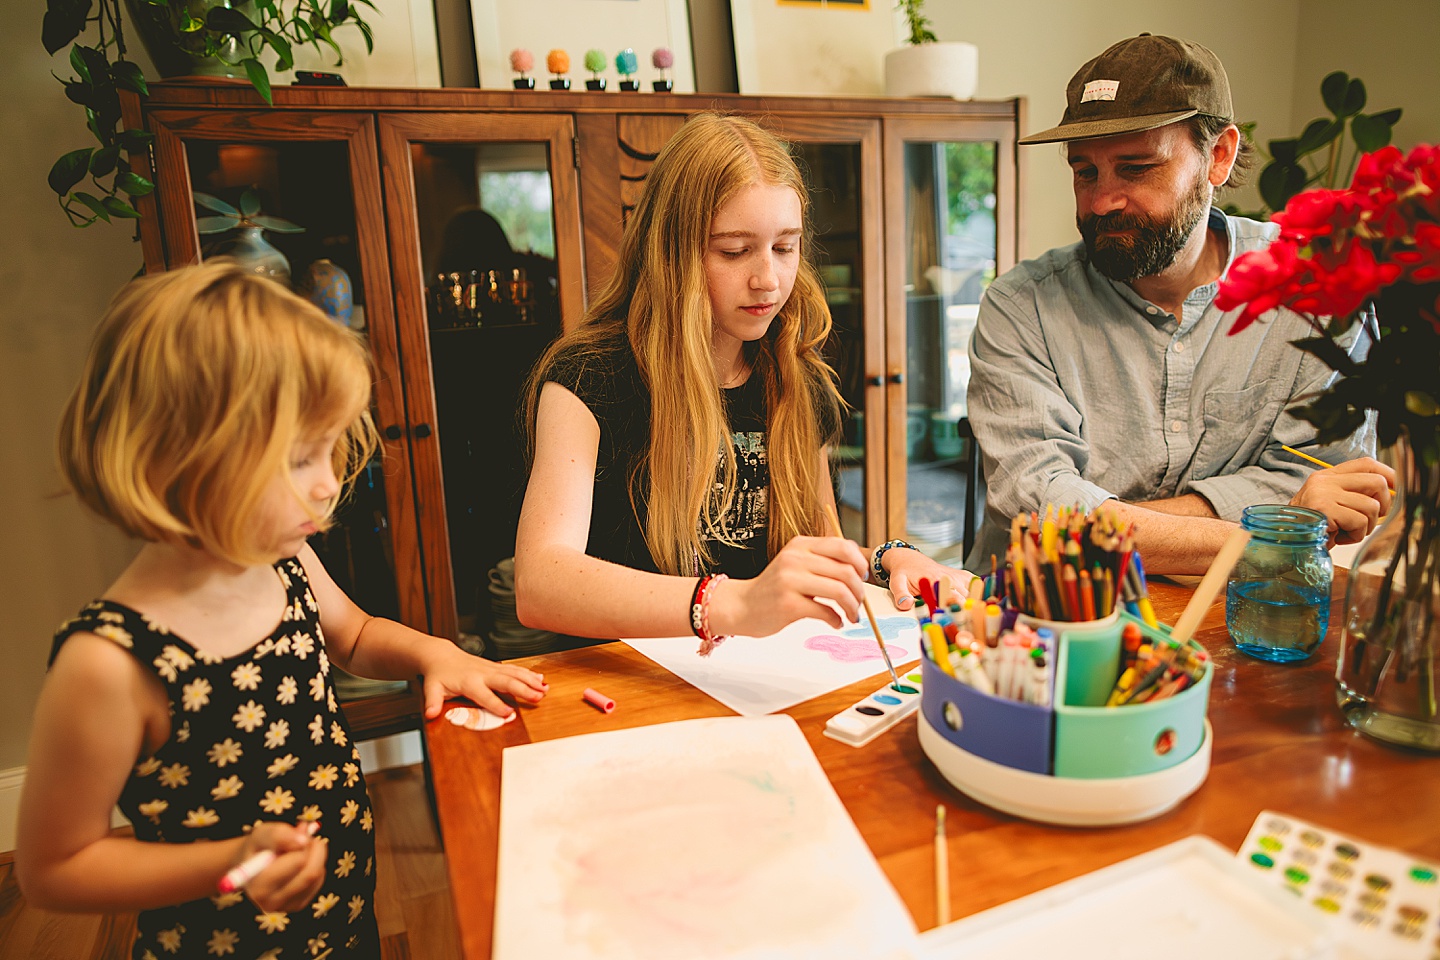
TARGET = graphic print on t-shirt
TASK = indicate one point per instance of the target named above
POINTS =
(750, 511)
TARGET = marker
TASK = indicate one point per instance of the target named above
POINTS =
(249, 868)
(598, 700)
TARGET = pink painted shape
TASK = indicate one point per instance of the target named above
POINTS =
(851, 650)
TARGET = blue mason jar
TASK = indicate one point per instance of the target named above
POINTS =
(1277, 604)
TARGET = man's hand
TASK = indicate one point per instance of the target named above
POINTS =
(1353, 495)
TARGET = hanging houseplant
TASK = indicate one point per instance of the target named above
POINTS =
(212, 36)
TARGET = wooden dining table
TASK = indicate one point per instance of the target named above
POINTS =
(1280, 743)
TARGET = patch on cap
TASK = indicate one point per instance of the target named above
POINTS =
(1100, 90)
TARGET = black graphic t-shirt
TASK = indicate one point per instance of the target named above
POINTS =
(609, 383)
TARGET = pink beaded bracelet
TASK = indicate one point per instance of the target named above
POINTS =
(700, 612)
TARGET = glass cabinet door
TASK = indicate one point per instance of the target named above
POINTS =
(948, 189)
(484, 232)
(319, 173)
(840, 160)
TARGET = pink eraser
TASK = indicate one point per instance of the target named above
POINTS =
(597, 699)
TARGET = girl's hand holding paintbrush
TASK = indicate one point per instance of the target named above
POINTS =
(806, 568)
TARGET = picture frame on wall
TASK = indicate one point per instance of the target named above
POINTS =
(576, 26)
(843, 54)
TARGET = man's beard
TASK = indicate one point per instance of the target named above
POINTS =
(1155, 244)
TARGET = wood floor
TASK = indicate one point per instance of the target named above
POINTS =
(412, 895)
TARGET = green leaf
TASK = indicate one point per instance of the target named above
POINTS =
(1284, 152)
(249, 203)
(94, 204)
(339, 10)
(205, 225)
(1391, 117)
(69, 170)
(1354, 97)
(1329, 352)
(276, 225)
(214, 203)
(134, 184)
(228, 20)
(285, 57)
(64, 21)
(119, 208)
(259, 78)
(78, 91)
(103, 161)
(129, 75)
(1332, 91)
(77, 63)
(1317, 134)
(135, 141)
(1370, 132)
(1421, 404)
(1279, 182)
(367, 33)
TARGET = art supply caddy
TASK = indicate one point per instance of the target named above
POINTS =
(1060, 754)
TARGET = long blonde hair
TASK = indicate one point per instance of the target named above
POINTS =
(198, 383)
(658, 302)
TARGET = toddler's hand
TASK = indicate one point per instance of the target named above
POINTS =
(293, 878)
(459, 674)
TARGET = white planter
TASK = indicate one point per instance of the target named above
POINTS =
(946, 69)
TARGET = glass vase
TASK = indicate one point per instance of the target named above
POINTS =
(1385, 675)
(258, 255)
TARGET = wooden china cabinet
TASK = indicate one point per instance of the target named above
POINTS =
(914, 203)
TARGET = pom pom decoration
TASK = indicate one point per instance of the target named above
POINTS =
(595, 61)
(626, 63)
(522, 61)
(557, 62)
(662, 58)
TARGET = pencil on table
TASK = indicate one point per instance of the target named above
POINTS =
(942, 869)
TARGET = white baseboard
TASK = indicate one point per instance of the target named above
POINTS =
(401, 750)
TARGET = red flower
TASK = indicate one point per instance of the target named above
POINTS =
(1375, 170)
(1318, 213)
(1260, 280)
(1346, 286)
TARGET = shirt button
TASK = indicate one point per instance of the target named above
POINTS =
(1179, 347)
(1176, 426)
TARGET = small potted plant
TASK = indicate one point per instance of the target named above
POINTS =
(558, 63)
(522, 62)
(626, 64)
(662, 59)
(595, 62)
(927, 66)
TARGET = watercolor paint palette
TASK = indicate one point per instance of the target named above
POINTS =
(1383, 904)
(877, 713)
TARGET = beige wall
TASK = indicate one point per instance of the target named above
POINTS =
(56, 280)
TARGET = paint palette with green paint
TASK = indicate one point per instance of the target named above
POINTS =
(1385, 903)
(877, 713)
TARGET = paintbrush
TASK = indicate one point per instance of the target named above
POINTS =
(1210, 585)
(942, 869)
(874, 624)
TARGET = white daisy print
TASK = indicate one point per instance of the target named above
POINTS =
(323, 904)
(282, 646)
(249, 716)
(367, 820)
(310, 813)
(183, 734)
(352, 774)
(153, 809)
(146, 767)
(282, 766)
(324, 776)
(195, 694)
(337, 733)
(345, 864)
(225, 900)
(369, 865)
(357, 907)
(154, 626)
(285, 693)
(165, 668)
(273, 922)
(109, 616)
(302, 645)
(225, 752)
(175, 776)
(317, 729)
(284, 577)
(175, 655)
(170, 939)
(317, 687)
(222, 942)
(205, 656)
(246, 676)
(276, 734)
(227, 788)
(201, 817)
(116, 634)
(320, 657)
(317, 945)
(330, 701)
(310, 601)
(277, 801)
(349, 812)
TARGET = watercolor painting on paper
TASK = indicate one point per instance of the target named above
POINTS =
(713, 838)
(755, 676)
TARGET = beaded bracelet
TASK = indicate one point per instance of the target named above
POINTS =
(877, 571)
(700, 612)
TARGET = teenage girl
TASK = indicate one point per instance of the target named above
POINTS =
(218, 419)
(679, 434)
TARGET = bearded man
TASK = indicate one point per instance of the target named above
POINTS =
(1103, 371)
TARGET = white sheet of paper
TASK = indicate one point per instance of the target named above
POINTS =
(758, 675)
(713, 838)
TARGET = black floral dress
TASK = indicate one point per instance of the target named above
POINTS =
(255, 737)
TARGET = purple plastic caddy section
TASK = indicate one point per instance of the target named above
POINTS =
(1003, 731)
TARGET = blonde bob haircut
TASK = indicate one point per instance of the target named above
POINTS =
(658, 301)
(198, 384)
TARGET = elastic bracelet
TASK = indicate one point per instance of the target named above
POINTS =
(700, 612)
(877, 570)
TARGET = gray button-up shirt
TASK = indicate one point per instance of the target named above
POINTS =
(1082, 390)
